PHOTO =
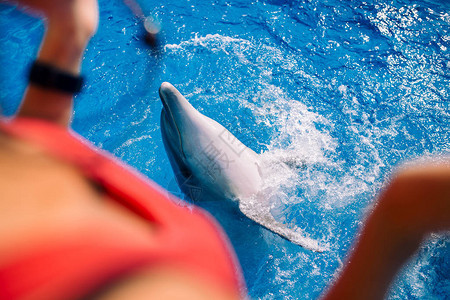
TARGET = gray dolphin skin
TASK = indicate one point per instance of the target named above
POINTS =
(203, 153)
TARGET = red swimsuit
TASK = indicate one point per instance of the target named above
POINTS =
(78, 265)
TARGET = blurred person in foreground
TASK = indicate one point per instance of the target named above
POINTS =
(76, 223)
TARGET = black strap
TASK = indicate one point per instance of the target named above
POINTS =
(48, 76)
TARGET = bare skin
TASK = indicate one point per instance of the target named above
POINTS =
(414, 204)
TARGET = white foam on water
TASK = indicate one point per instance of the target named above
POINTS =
(301, 154)
(212, 42)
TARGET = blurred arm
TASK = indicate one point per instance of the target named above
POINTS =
(69, 26)
(415, 203)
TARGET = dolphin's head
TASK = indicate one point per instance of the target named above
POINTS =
(172, 124)
(199, 147)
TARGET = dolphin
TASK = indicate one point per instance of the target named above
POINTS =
(203, 153)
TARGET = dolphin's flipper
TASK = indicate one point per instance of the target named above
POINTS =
(265, 219)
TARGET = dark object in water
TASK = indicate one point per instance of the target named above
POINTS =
(151, 26)
(152, 29)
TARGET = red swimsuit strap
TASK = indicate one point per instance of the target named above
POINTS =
(118, 179)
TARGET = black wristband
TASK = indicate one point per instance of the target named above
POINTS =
(48, 76)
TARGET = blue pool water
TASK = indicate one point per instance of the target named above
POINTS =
(349, 90)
